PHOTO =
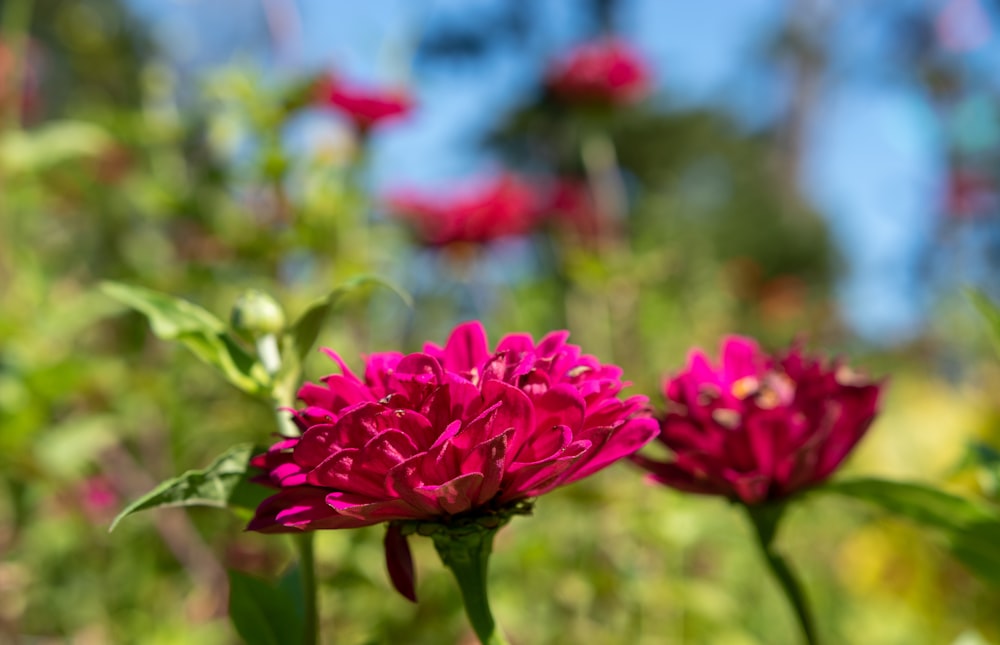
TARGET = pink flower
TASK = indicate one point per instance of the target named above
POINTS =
(502, 206)
(573, 207)
(453, 431)
(605, 71)
(366, 108)
(970, 194)
(98, 498)
(28, 72)
(757, 427)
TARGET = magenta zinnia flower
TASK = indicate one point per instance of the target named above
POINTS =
(605, 71)
(759, 428)
(366, 108)
(454, 431)
(479, 213)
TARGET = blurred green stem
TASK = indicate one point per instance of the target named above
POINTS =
(269, 354)
(307, 565)
(765, 519)
(467, 554)
(604, 178)
(282, 398)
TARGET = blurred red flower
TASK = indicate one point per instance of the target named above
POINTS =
(971, 194)
(366, 108)
(572, 207)
(98, 498)
(26, 72)
(451, 431)
(501, 206)
(757, 427)
(606, 71)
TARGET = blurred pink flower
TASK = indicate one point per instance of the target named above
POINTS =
(970, 193)
(757, 427)
(98, 498)
(26, 72)
(501, 206)
(458, 430)
(366, 108)
(602, 71)
(572, 207)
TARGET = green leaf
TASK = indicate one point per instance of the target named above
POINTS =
(222, 484)
(989, 311)
(970, 530)
(305, 330)
(176, 319)
(262, 613)
(981, 461)
(30, 151)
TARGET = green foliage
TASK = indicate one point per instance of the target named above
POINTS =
(39, 150)
(304, 331)
(130, 174)
(198, 330)
(983, 460)
(263, 613)
(224, 483)
(989, 312)
(971, 530)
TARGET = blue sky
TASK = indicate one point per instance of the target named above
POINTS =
(875, 151)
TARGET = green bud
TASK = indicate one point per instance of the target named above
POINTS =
(256, 313)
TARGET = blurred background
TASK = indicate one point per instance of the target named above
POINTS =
(649, 174)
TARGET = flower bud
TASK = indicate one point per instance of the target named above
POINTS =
(256, 313)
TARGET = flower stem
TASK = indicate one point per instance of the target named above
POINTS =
(307, 566)
(467, 554)
(765, 519)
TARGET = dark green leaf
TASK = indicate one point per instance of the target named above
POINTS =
(970, 530)
(919, 502)
(305, 330)
(262, 613)
(176, 319)
(978, 547)
(223, 483)
(290, 584)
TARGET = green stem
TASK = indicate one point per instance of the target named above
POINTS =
(303, 541)
(765, 519)
(304, 545)
(467, 554)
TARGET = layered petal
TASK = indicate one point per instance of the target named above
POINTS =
(457, 429)
(758, 427)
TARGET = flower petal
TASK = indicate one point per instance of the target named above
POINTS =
(399, 562)
(299, 509)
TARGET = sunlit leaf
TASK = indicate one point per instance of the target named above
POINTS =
(970, 530)
(306, 329)
(177, 319)
(222, 484)
(262, 613)
(28, 151)
(990, 313)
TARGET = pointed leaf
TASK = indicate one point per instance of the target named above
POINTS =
(205, 335)
(223, 483)
(305, 330)
(168, 316)
(990, 313)
(970, 530)
(262, 613)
